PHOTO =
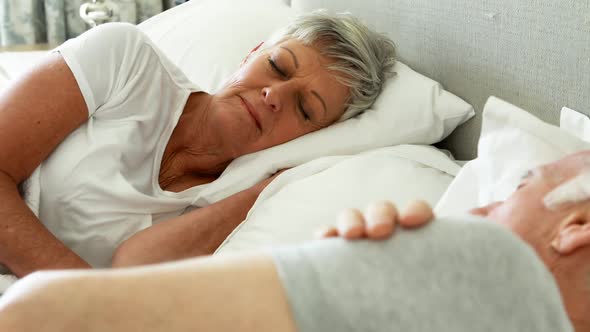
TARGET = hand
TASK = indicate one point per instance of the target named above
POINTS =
(378, 222)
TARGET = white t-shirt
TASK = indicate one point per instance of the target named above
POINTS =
(100, 185)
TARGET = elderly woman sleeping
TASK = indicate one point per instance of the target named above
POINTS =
(125, 140)
(526, 270)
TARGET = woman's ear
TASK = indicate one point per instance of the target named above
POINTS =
(574, 233)
(253, 50)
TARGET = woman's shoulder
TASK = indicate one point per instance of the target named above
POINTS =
(106, 42)
(119, 36)
(133, 45)
(120, 31)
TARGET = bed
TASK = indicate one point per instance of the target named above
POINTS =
(535, 55)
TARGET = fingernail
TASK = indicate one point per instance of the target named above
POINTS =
(555, 243)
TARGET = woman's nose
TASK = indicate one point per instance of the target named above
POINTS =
(273, 96)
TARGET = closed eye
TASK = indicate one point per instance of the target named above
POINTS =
(276, 68)
(302, 110)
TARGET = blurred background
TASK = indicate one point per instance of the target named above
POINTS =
(51, 22)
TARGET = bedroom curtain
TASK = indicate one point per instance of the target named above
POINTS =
(54, 21)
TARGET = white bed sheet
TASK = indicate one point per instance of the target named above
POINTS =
(12, 64)
(309, 196)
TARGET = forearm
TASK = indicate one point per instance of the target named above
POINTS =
(196, 233)
(25, 244)
(221, 293)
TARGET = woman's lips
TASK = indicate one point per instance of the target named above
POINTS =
(250, 110)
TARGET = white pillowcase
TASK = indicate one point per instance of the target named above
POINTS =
(575, 123)
(14, 64)
(208, 39)
(512, 142)
(304, 198)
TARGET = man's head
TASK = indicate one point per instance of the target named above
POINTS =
(560, 234)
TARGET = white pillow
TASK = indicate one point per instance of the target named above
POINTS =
(512, 142)
(200, 39)
(575, 123)
(209, 39)
(14, 64)
(311, 195)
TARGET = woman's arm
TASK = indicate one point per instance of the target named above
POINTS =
(221, 293)
(226, 293)
(201, 231)
(196, 233)
(37, 112)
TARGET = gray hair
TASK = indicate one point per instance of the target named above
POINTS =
(363, 57)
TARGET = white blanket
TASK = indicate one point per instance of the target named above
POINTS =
(310, 196)
(6, 280)
(12, 64)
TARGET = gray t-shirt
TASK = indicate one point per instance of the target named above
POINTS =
(450, 275)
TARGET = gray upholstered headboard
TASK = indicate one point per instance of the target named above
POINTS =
(532, 53)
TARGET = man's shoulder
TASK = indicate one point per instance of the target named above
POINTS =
(462, 232)
(471, 231)
(464, 271)
(474, 240)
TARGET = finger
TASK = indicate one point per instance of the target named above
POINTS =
(381, 218)
(416, 214)
(326, 232)
(483, 211)
(351, 224)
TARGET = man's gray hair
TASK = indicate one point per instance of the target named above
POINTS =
(363, 58)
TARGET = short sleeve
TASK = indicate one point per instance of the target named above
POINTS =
(447, 276)
(104, 60)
